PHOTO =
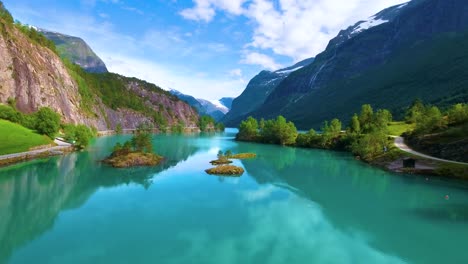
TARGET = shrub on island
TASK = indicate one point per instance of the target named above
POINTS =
(224, 159)
(136, 152)
(227, 170)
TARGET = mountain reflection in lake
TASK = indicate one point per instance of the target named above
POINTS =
(291, 206)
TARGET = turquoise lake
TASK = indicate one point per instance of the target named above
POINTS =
(290, 206)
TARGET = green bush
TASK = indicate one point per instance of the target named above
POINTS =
(79, 135)
(279, 131)
(118, 128)
(330, 133)
(368, 146)
(10, 114)
(248, 130)
(47, 122)
(458, 114)
(275, 131)
(5, 14)
(141, 141)
(430, 120)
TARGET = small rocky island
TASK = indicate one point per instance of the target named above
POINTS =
(136, 152)
(223, 161)
(229, 170)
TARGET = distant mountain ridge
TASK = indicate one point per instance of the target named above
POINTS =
(215, 109)
(256, 92)
(77, 51)
(413, 50)
(227, 102)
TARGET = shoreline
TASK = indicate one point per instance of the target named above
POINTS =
(392, 161)
(11, 159)
(62, 148)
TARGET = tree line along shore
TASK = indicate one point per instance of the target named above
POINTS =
(368, 134)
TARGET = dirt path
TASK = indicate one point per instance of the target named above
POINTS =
(400, 143)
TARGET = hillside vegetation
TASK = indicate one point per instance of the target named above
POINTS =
(15, 138)
(438, 133)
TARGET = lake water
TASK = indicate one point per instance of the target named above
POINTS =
(291, 206)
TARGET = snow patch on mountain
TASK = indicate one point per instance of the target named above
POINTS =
(365, 25)
(288, 71)
(402, 5)
(220, 106)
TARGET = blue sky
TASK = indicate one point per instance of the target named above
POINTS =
(206, 48)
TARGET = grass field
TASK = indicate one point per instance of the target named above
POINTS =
(398, 128)
(15, 138)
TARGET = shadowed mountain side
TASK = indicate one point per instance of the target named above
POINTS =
(388, 61)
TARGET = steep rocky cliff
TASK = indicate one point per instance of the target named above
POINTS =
(35, 76)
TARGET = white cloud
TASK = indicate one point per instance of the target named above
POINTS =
(201, 11)
(204, 10)
(295, 28)
(167, 76)
(293, 230)
(263, 60)
(235, 73)
(259, 194)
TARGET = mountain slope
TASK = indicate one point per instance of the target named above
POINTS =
(402, 53)
(227, 102)
(256, 92)
(77, 51)
(35, 76)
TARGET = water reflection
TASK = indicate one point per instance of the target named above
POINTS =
(291, 206)
(355, 196)
(33, 194)
(288, 230)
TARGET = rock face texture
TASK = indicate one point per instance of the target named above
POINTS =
(36, 77)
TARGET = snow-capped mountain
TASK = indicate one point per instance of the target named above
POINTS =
(214, 108)
(258, 89)
(412, 50)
